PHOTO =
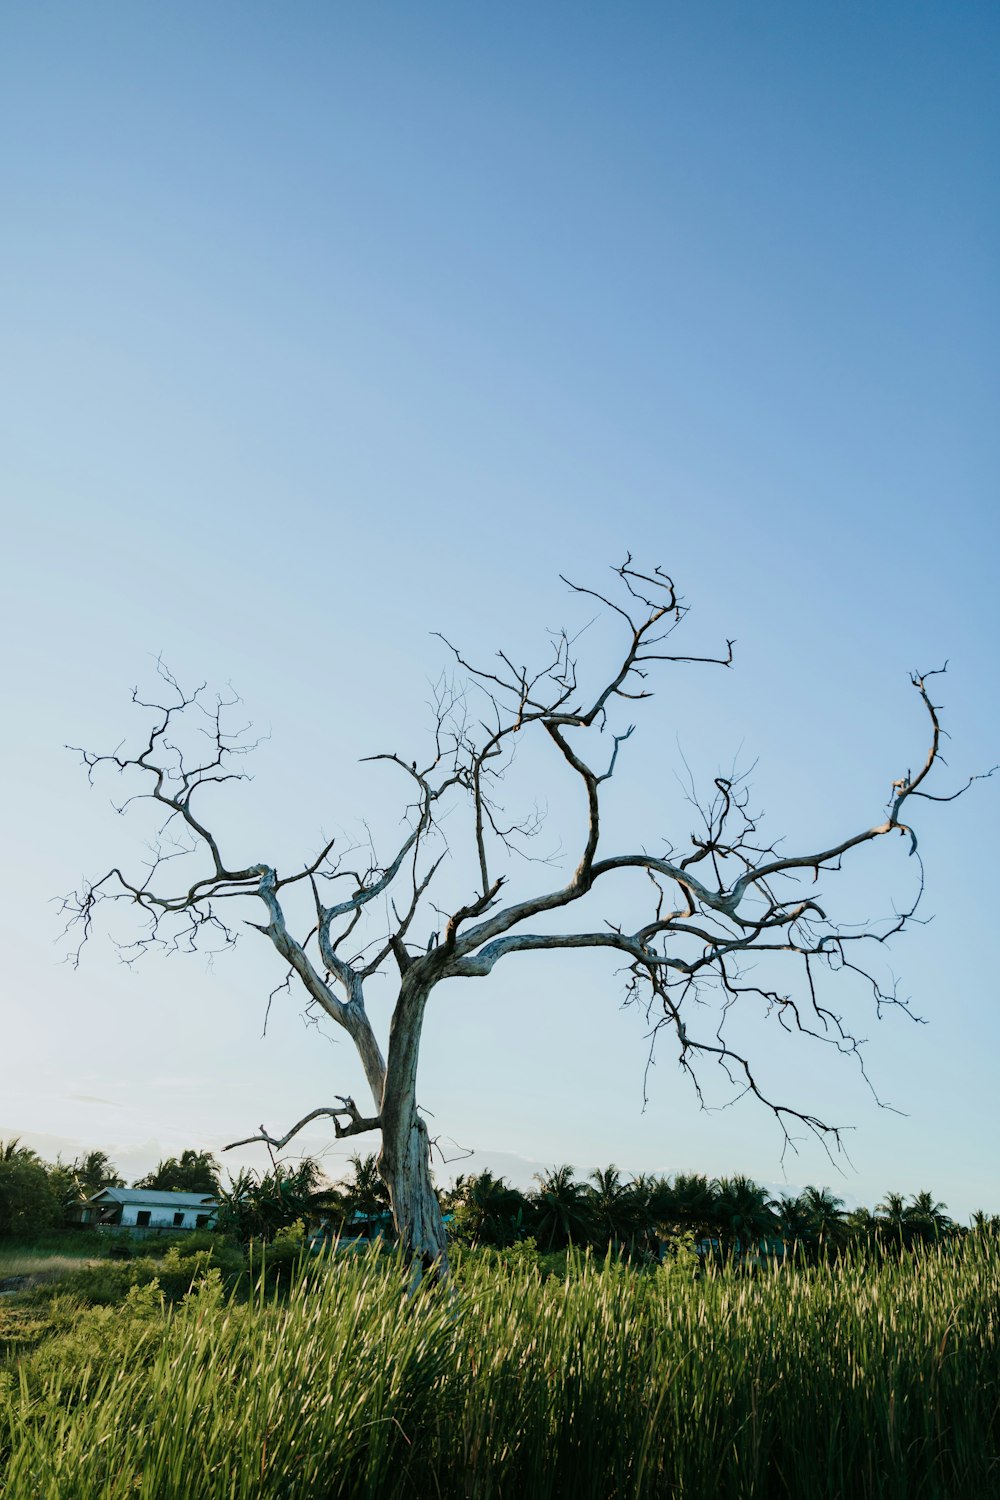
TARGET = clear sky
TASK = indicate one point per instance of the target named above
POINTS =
(327, 326)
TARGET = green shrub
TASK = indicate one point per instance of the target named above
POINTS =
(102, 1285)
(283, 1261)
(28, 1205)
(108, 1283)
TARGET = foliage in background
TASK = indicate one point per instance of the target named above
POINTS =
(639, 1218)
(634, 1217)
(364, 1195)
(257, 1206)
(191, 1172)
(82, 1178)
(29, 1204)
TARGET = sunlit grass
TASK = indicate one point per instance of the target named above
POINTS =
(23, 1262)
(861, 1380)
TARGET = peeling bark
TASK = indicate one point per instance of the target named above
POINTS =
(416, 1212)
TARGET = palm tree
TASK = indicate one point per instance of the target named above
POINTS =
(79, 1180)
(616, 1207)
(863, 1226)
(927, 1217)
(13, 1151)
(453, 1197)
(892, 1217)
(95, 1171)
(191, 1172)
(563, 1210)
(489, 1210)
(828, 1219)
(744, 1213)
(366, 1197)
(796, 1224)
(687, 1205)
(647, 1196)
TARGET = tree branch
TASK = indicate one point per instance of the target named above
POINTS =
(727, 900)
(357, 1124)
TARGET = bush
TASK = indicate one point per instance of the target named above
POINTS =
(523, 1256)
(281, 1262)
(110, 1282)
(123, 1246)
(28, 1205)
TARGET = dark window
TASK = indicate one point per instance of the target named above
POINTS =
(142, 1218)
(178, 1220)
(202, 1220)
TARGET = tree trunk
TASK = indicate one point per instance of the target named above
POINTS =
(415, 1209)
(405, 1161)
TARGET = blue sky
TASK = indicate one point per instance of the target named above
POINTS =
(326, 327)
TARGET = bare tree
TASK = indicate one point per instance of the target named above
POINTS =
(724, 897)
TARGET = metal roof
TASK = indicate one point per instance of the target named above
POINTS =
(153, 1196)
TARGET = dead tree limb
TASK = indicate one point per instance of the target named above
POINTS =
(709, 909)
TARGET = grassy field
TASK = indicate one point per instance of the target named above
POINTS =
(863, 1380)
(35, 1262)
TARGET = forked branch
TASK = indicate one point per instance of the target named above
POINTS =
(709, 909)
(346, 1110)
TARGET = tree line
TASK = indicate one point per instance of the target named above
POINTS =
(35, 1194)
(608, 1211)
(605, 1211)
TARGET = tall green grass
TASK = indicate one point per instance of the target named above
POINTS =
(856, 1380)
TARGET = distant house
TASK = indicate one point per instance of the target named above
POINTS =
(358, 1230)
(144, 1208)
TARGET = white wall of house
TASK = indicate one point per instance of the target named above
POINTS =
(163, 1216)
